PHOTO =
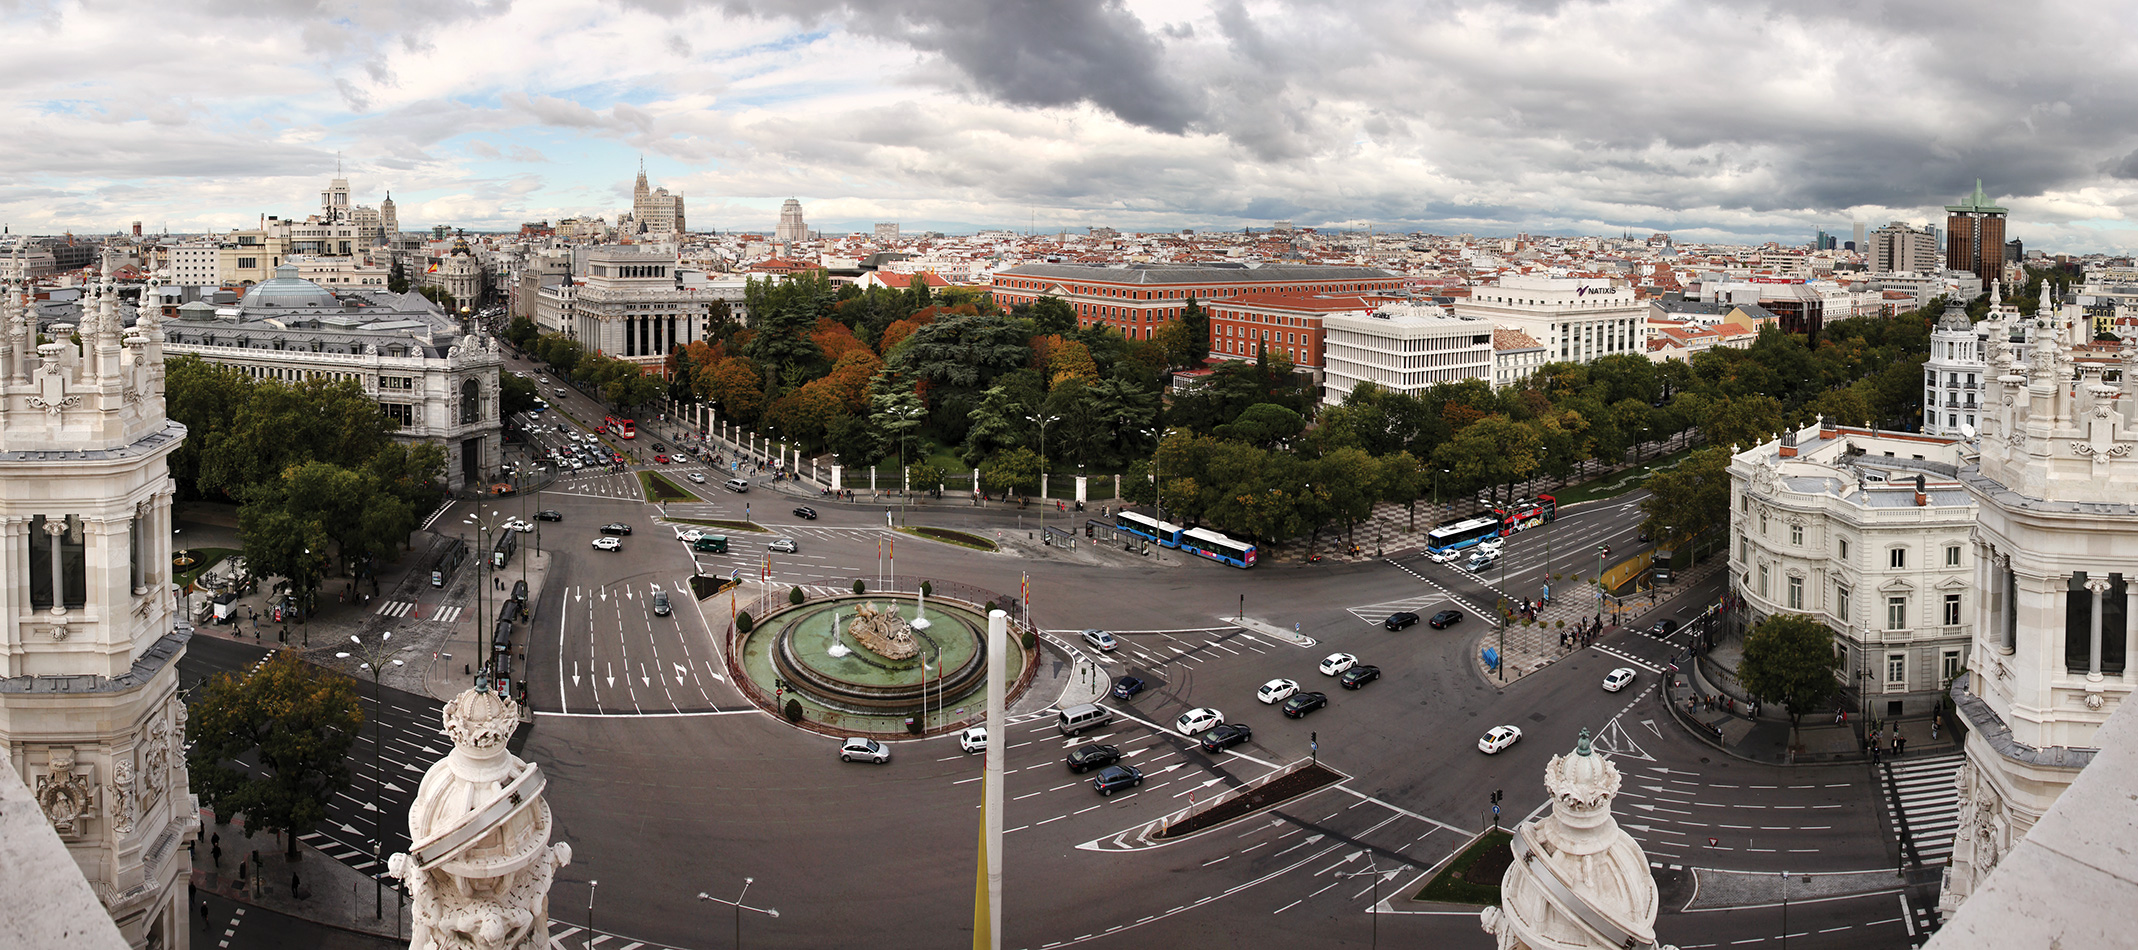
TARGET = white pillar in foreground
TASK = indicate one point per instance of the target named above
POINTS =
(987, 908)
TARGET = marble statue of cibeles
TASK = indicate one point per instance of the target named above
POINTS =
(883, 632)
(480, 868)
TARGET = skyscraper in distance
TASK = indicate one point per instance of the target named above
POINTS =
(1974, 236)
(791, 228)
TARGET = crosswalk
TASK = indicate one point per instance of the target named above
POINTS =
(1926, 802)
(402, 608)
(563, 936)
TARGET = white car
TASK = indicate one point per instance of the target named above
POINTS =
(698, 477)
(864, 750)
(1100, 639)
(1199, 719)
(1499, 738)
(973, 739)
(781, 546)
(1618, 679)
(1492, 546)
(1337, 663)
(516, 524)
(608, 544)
(689, 535)
(1276, 691)
(1441, 557)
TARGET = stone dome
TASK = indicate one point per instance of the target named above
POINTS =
(287, 291)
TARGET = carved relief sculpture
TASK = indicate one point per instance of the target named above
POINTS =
(66, 796)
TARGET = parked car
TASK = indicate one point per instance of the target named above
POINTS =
(616, 527)
(1092, 757)
(1399, 620)
(549, 514)
(1117, 777)
(1337, 663)
(1618, 679)
(1358, 676)
(1298, 706)
(1227, 735)
(1499, 738)
(1100, 639)
(608, 544)
(782, 546)
(1276, 691)
(804, 511)
(1127, 687)
(864, 750)
(973, 739)
(1445, 619)
(1197, 720)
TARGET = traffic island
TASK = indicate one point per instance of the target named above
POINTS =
(1475, 874)
(1262, 794)
(947, 536)
(660, 490)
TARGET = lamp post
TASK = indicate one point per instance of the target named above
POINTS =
(485, 524)
(740, 907)
(374, 656)
(1042, 420)
(590, 932)
(1372, 872)
(905, 419)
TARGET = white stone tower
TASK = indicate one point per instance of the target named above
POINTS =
(791, 229)
(2057, 484)
(389, 219)
(1578, 880)
(89, 712)
(480, 866)
(1954, 376)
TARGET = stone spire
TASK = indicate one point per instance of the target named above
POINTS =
(1578, 880)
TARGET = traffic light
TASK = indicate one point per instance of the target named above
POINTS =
(1496, 793)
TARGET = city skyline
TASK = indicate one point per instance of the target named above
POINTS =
(1715, 125)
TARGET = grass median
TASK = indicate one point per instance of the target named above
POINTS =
(660, 490)
(1474, 876)
(962, 539)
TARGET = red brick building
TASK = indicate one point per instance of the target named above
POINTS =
(1136, 298)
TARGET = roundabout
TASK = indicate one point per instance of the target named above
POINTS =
(880, 664)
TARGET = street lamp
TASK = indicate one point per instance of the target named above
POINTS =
(905, 419)
(1373, 872)
(374, 657)
(740, 907)
(486, 524)
(1042, 420)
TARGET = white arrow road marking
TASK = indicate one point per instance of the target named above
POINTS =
(612, 675)
(575, 672)
(681, 671)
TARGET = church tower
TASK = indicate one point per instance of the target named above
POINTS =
(389, 220)
(91, 639)
(2056, 481)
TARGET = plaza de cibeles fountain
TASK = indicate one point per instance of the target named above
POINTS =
(864, 657)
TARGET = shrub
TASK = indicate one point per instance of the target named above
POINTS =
(927, 589)
(990, 608)
(794, 710)
(1030, 639)
(795, 595)
(859, 587)
(744, 623)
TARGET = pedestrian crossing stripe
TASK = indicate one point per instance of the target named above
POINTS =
(1636, 661)
(403, 608)
(1924, 793)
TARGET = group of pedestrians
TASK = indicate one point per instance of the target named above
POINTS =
(1585, 633)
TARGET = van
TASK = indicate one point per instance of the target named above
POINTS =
(738, 485)
(711, 543)
(1076, 719)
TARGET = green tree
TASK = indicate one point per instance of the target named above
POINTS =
(295, 720)
(515, 395)
(1197, 322)
(521, 332)
(1790, 659)
(1050, 315)
(1264, 425)
(1016, 470)
(1691, 499)
(925, 476)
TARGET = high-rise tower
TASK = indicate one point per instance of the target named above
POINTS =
(389, 220)
(89, 711)
(791, 229)
(1974, 236)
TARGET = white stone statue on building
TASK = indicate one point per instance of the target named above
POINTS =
(480, 868)
(1578, 880)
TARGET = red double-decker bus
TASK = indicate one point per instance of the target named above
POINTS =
(624, 428)
(1527, 513)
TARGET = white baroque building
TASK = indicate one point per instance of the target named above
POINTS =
(2056, 479)
(1576, 318)
(440, 386)
(630, 304)
(90, 717)
(1831, 522)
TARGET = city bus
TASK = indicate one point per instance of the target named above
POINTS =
(1148, 528)
(1449, 538)
(1217, 547)
(624, 428)
(1527, 513)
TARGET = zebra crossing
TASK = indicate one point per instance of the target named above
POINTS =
(1926, 802)
(402, 608)
(563, 936)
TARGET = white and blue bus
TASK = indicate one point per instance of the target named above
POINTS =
(1148, 528)
(1462, 534)
(1217, 547)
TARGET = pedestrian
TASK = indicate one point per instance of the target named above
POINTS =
(215, 850)
(1900, 743)
(296, 886)
(1934, 730)
(204, 925)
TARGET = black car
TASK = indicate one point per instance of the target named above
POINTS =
(1302, 703)
(616, 527)
(1444, 619)
(1092, 756)
(1358, 676)
(1665, 627)
(804, 511)
(549, 514)
(1399, 620)
(1127, 687)
(1226, 736)
(1117, 777)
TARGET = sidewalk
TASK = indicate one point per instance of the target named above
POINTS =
(1732, 730)
(1533, 646)
(332, 893)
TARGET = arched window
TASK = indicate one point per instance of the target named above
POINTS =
(471, 399)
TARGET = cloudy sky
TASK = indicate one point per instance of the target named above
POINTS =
(1713, 121)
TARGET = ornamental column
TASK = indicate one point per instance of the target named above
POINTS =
(2099, 587)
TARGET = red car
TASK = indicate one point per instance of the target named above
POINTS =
(663, 459)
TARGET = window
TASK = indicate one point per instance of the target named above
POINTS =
(1844, 549)
(1897, 670)
(1744, 550)
(73, 565)
(1898, 557)
(1841, 603)
(1796, 593)
(1896, 613)
(1949, 667)
(402, 414)
(1952, 610)
(1952, 555)
(1796, 534)
(1762, 524)
(1763, 580)
(1744, 503)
